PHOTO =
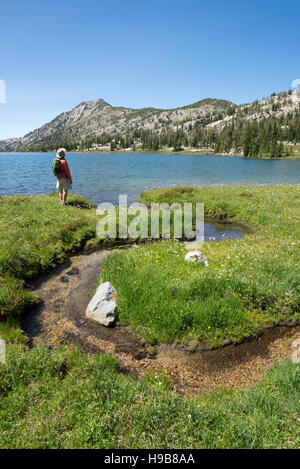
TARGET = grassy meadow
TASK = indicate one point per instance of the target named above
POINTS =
(36, 234)
(63, 398)
(250, 283)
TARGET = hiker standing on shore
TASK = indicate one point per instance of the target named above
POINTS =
(61, 171)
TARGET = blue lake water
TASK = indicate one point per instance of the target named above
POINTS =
(102, 177)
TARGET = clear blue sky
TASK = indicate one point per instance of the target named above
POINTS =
(136, 53)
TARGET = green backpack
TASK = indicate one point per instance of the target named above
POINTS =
(56, 167)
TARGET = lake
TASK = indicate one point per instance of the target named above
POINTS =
(102, 177)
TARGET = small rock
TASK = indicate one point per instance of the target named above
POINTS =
(73, 271)
(102, 307)
(64, 279)
(196, 256)
(2, 350)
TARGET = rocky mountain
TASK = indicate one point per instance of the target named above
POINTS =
(206, 123)
(92, 119)
(276, 105)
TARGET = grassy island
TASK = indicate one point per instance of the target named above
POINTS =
(251, 283)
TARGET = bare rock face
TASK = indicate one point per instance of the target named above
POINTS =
(87, 118)
(196, 256)
(103, 305)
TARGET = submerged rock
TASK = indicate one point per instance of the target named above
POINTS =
(196, 256)
(102, 307)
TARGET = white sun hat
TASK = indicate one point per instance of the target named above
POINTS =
(61, 153)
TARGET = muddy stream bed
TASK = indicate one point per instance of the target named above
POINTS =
(59, 318)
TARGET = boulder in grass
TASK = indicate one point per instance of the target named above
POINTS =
(196, 256)
(296, 352)
(103, 305)
(2, 351)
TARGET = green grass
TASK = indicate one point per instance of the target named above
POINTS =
(251, 283)
(36, 233)
(65, 399)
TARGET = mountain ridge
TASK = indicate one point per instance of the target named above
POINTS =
(90, 109)
(96, 124)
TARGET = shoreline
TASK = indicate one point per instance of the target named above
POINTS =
(153, 152)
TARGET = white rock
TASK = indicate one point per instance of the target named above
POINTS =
(105, 291)
(196, 256)
(296, 353)
(102, 307)
(104, 313)
(2, 350)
